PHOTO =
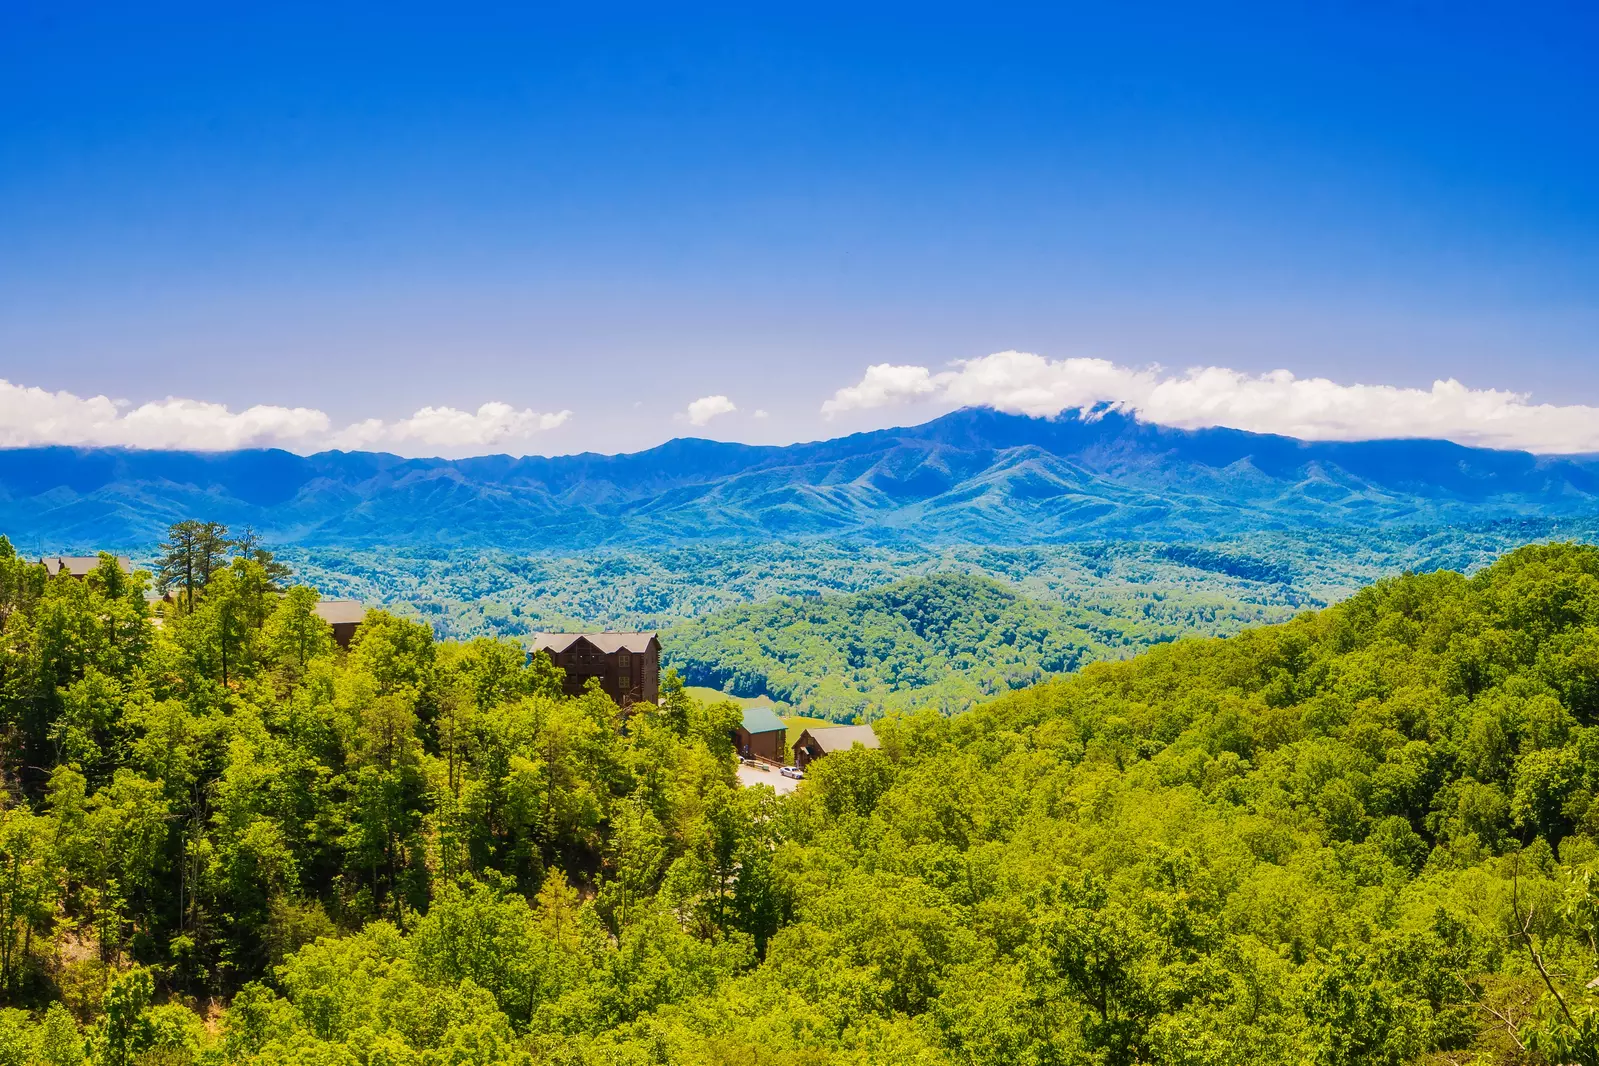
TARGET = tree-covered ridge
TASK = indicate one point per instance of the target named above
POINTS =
(970, 476)
(1368, 835)
(464, 594)
(192, 801)
(944, 641)
(1002, 619)
(1365, 836)
(1212, 588)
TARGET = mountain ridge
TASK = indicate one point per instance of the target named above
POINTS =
(974, 475)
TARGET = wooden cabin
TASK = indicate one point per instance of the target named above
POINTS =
(345, 616)
(761, 735)
(814, 743)
(627, 664)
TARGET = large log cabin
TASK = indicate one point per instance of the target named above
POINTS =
(627, 664)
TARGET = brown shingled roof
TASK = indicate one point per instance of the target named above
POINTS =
(845, 737)
(605, 642)
(336, 612)
(81, 565)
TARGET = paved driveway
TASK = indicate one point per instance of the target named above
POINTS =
(756, 775)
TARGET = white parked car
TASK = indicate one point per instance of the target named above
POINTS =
(793, 771)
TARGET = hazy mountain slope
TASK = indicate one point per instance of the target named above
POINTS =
(975, 476)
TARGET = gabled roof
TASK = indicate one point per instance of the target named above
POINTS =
(844, 737)
(762, 720)
(605, 642)
(341, 612)
(81, 565)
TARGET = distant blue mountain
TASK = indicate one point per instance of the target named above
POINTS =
(975, 476)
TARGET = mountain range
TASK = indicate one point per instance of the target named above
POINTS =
(976, 476)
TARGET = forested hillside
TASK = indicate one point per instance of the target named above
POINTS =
(1367, 835)
(944, 642)
(1253, 578)
(466, 594)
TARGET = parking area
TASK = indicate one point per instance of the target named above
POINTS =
(764, 775)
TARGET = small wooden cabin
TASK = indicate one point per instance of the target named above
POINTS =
(761, 735)
(627, 664)
(814, 743)
(345, 616)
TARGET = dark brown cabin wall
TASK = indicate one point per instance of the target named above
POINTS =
(652, 673)
(805, 750)
(768, 746)
(643, 671)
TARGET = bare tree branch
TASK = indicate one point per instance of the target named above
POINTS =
(1526, 936)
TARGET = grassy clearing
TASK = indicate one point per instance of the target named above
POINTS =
(711, 695)
(798, 724)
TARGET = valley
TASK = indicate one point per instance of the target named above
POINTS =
(740, 618)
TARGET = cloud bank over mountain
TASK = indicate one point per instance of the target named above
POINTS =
(1279, 402)
(1204, 397)
(972, 476)
(30, 417)
(453, 431)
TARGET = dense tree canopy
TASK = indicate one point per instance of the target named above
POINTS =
(1210, 588)
(1135, 587)
(944, 641)
(1364, 836)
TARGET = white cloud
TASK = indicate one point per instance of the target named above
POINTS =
(706, 408)
(33, 416)
(1276, 402)
(759, 413)
(449, 429)
(883, 384)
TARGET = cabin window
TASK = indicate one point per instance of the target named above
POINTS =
(625, 682)
(623, 660)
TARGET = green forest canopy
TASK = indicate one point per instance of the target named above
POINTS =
(464, 593)
(944, 641)
(1367, 835)
(1211, 589)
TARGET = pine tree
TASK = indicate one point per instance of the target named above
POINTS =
(192, 552)
(248, 546)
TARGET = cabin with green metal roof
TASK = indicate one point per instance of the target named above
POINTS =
(761, 735)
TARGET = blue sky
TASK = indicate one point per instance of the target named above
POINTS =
(594, 217)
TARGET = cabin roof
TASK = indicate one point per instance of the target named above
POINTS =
(762, 720)
(843, 737)
(605, 642)
(341, 612)
(80, 565)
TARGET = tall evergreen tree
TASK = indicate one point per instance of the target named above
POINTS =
(248, 546)
(192, 552)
